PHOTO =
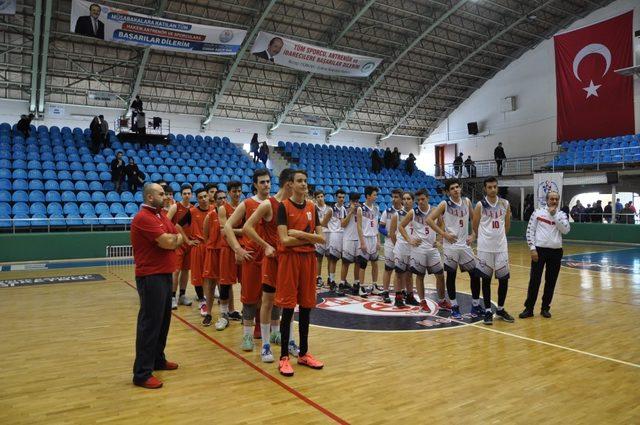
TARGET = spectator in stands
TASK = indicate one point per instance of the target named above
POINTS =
(565, 209)
(105, 132)
(136, 107)
(410, 164)
(96, 134)
(499, 156)
(632, 208)
(376, 161)
(626, 215)
(457, 165)
(264, 153)
(577, 212)
(586, 217)
(607, 212)
(24, 125)
(596, 217)
(254, 147)
(388, 158)
(470, 166)
(395, 158)
(117, 171)
(135, 177)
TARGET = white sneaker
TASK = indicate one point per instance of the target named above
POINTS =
(222, 323)
(174, 303)
(266, 354)
(184, 300)
(203, 309)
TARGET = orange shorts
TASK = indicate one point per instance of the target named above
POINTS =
(296, 280)
(269, 271)
(183, 257)
(251, 282)
(229, 270)
(211, 264)
(198, 254)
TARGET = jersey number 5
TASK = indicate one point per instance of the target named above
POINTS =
(461, 223)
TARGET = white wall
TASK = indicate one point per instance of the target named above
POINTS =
(531, 128)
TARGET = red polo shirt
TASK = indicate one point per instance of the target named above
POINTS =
(146, 227)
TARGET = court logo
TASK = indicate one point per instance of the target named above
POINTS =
(598, 267)
(372, 314)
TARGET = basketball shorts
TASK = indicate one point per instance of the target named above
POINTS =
(197, 255)
(183, 257)
(211, 264)
(425, 259)
(251, 288)
(323, 249)
(490, 263)
(270, 271)
(401, 257)
(458, 256)
(297, 272)
(349, 250)
(335, 244)
(371, 243)
(389, 261)
(229, 270)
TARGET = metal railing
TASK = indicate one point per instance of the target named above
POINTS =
(46, 225)
(620, 218)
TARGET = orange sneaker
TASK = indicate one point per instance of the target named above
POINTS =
(285, 367)
(168, 366)
(151, 383)
(309, 360)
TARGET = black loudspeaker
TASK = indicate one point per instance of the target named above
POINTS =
(472, 127)
(612, 177)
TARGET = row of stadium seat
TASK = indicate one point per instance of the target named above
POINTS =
(68, 208)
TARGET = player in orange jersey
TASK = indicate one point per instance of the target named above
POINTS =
(249, 254)
(299, 230)
(183, 258)
(262, 228)
(211, 232)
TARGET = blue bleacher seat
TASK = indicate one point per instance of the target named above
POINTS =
(98, 197)
(20, 208)
(101, 207)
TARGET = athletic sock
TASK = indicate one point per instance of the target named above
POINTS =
(199, 292)
(285, 329)
(275, 328)
(173, 294)
(265, 331)
(303, 318)
(224, 308)
(182, 292)
(475, 302)
(331, 277)
(247, 330)
(454, 302)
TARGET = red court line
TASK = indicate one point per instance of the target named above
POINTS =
(272, 378)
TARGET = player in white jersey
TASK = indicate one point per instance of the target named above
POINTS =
(491, 222)
(334, 234)
(455, 213)
(349, 243)
(424, 255)
(369, 244)
(401, 251)
(324, 215)
(385, 225)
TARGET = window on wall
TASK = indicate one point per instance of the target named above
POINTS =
(626, 209)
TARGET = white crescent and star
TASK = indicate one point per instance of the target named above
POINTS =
(594, 48)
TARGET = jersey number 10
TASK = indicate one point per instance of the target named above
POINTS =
(495, 224)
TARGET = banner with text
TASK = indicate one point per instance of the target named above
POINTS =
(544, 183)
(305, 57)
(112, 24)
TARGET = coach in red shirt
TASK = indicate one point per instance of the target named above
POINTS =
(154, 239)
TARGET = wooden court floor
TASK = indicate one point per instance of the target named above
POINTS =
(67, 352)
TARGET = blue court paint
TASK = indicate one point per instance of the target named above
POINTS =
(617, 261)
(66, 264)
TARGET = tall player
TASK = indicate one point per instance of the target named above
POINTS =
(424, 255)
(299, 231)
(457, 241)
(401, 251)
(229, 270)
(349, 244)
(369, 244)
(211, 271)
(334, 233)
(183, 257)
(194, 221)
(389, 261)
(262, 228)
(249, 254)
(491, 222)
(324, 215)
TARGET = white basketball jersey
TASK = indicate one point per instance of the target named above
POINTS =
(399, 239)
(491, 232)
(456, 221)
(370, 220)
(338, 213)
(387, 215)
(421, 229)
(322, 212)
(350, 231)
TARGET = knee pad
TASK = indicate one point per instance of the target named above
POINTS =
(361, 261)
(224, 292)
(275, 313)
(268, 289)
(249, 311)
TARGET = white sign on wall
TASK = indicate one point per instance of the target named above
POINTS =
(544, 183)
(55, 111)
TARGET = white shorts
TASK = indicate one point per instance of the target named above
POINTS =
(335, 245)
(371, 243)
(425, 258)
(389, 261)
(401, 257)
(462, 256)
(349, 250)
(493, 262)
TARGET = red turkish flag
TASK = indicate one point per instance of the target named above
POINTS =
(594, 101)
